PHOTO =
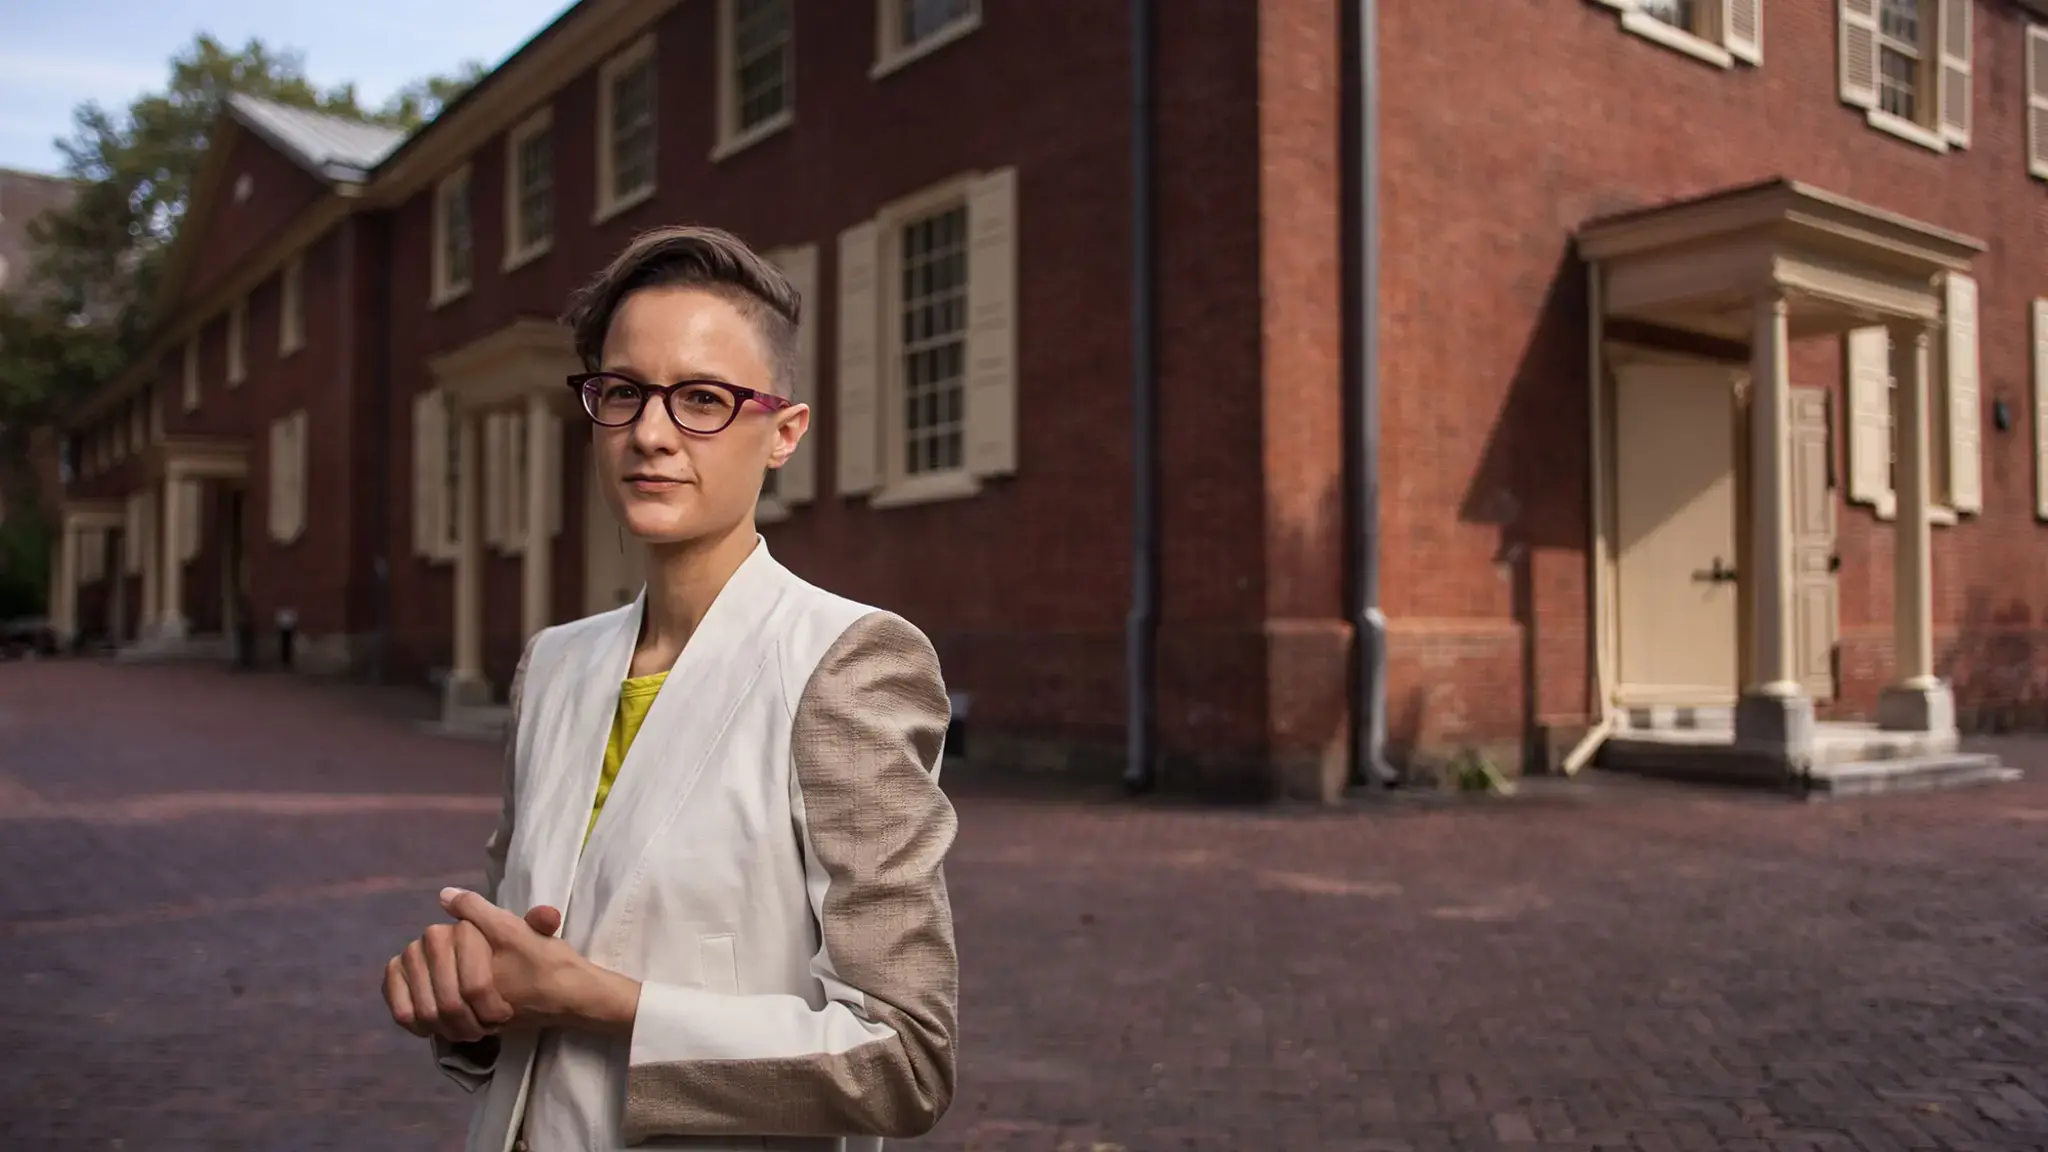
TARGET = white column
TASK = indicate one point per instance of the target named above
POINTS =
(1916, 700)
(171, 554)
(466, 678)
(151, 534)
(64, 584)
(543, 479)
(1770, 472)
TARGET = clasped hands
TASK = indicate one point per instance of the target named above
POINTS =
(492, 970)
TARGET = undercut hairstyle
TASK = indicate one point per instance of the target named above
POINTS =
(707, 258)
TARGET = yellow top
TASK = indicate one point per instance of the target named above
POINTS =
(636, 695)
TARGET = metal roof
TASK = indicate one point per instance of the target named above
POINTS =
(334, 147)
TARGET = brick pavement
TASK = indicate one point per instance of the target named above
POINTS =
(200, 875)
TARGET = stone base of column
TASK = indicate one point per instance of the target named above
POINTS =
(170, 627)
(460, 691)
(1780, 726)
(1917, 707)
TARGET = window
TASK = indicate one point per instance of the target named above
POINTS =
(530, 189)
(288, 477)
(1954, 434)
(454, 242)
(906, 30)
(2037, 101)
(1719, 32)
(238, 338)
(931, 357)
(926, 406)
(1907, 64)
(755, 66)
(625, 154)
(291, 307)
(191, 374)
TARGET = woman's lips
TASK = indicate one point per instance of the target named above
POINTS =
(653, 483)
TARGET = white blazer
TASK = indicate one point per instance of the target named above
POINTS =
(768, 864)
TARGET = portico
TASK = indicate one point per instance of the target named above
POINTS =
(177, 475)
(504, 395)
(1714, 496)
(82, 525)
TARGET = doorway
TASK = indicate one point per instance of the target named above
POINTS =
(1677, 591)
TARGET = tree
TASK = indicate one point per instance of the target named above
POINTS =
(96, 262)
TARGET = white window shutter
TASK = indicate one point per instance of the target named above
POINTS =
(797, 479)
(2037, 101)
(188, 529)
(429, 445)
(992, 324)
(857, 397)
(1742, 29)
(1866, 353)
(1953, 90)
(1858, 56)
(2040, 335)
(1965, 418)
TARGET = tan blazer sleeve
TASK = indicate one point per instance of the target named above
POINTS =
(878, 1059)
(470, 1064)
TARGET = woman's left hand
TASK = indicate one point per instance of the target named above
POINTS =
(546, 981)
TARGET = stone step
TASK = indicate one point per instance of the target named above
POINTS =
(1908, 774)
(1680, 717)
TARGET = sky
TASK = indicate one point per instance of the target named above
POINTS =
(58, 54)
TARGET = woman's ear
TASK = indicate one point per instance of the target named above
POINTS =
(790, 425)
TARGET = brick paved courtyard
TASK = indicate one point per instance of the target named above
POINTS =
(201, 874)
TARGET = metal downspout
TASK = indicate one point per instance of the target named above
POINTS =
(1362, 448)
(1141, 626)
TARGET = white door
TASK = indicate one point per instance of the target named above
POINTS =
(1816, 595)
(613, 564)
(1675, 533)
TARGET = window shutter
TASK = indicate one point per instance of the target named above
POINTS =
(429, 442)
(857, 398)
(1965, 420)
(992, 324)
(2040, 335)
(1954, 90)
(797, 480)
(1742, 29)
(1866, 353)
(191, 378)
(188, 521)
(1858, 30)
(2037, 100)
(277, 466)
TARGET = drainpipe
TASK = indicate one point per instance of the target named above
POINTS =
(1362, 431)
(1141, 626)
(378, 423)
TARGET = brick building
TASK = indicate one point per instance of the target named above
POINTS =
(1649, 291)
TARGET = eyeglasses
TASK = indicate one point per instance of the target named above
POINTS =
(699, 406)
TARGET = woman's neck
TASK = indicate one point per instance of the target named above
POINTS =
(682, 581)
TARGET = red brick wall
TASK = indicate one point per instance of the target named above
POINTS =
(279, 191)
(1500, 139)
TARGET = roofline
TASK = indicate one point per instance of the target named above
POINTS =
(576, 40)
(328, 171)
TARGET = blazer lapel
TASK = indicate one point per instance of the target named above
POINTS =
(695, 705)
(573, 757)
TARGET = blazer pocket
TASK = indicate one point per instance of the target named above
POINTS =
(719, 958)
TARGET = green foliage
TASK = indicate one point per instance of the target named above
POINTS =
(24, 567)
(97, 261)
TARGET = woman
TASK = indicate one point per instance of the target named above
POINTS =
(713, 905)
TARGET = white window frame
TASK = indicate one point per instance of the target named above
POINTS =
(446, 287)
(1713, 39)
(2036, 95)
(190, 375)
(892, 52)
(612, 200)
(238, 341)
(519, 247)
(734, 137)
(1929, 131)
(899, 486)
(291, 306)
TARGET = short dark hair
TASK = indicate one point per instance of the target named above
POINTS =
(697, 256)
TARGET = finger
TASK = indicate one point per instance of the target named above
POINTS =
(544, 919)
(398, 998)
(419, 985)
(479, 986)
(501, 928)
(457, 1021)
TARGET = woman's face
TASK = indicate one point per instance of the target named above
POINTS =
(667, 485)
